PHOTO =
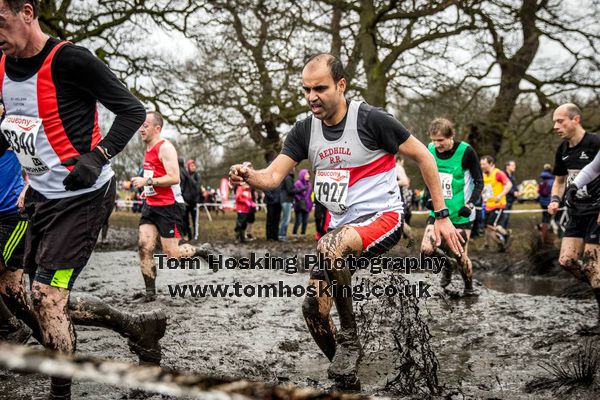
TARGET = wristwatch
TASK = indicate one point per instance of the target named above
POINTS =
(441, 214)
(149, 181)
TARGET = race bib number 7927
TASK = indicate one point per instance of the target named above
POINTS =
(331, 189)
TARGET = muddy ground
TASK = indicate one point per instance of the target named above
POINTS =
(488, 347)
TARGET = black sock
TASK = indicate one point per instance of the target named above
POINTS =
(597, 295)
(150, 285)
(60, 388)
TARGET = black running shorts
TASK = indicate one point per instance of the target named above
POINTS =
(63, 232)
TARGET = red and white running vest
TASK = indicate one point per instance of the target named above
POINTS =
(351, 180)
(35, 131)
(154, 168)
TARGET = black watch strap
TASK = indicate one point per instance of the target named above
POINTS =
(443, 213)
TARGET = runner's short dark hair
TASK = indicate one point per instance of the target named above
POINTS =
(17, 5)
(335, 65)
(489, 159)
(443, 126)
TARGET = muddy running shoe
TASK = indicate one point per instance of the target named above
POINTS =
(143, 297)
(151, 328)
(15, 332)
(446, 276)
(204, 250)
(508, 239)
(472, 292)
(344, 366)
(469, 290)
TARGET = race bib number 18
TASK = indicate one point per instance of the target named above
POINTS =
(21, 133)
(446, 181)
(331, 189)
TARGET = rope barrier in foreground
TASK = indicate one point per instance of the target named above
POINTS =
(153, 379)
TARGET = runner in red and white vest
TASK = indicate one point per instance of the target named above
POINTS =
(352, 147)
(163, 211)
(50, 90)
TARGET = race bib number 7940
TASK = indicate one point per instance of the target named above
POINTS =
(331, 189)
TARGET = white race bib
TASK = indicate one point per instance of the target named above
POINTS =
(149, 189)
(446, 181)
(21, 133)
(331, 189)
(582, 192)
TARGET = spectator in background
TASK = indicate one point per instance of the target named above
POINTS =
(273, 202)
(544, 197)
(190, 190)
(219, 202)
(243, 205)
(302, 201)
(287, 198)
(509, 169)
(251, 216)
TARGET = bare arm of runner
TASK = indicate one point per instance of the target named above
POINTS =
(263, 179)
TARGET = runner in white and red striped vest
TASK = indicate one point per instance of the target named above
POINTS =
(50, 90)
(351, 146)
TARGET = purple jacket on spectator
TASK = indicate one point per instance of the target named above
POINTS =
(302, 200)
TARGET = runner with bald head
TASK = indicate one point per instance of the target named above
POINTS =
(579, 251)
(352, 147)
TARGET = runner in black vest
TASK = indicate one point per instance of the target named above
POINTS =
(580, 247)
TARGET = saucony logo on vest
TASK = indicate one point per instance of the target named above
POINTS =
(23, 123)
(583, 156)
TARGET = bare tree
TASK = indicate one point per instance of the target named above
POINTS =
(512, 33)
(386, 42)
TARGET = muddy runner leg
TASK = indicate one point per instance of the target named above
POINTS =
(148, 237)
(144, 330)
(490, 234)
(465, 265)
(428, 248)
(335, 246)
(50, 305)
(12, 288)
(591, 269)
(571, 251)
(172, 248)
(316, 311)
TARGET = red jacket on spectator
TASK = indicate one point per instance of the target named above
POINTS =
(243, 199)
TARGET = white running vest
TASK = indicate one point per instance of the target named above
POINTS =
(32, 111)
(351, 180)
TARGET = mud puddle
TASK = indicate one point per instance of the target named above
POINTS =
(487, 347)
(531, 285)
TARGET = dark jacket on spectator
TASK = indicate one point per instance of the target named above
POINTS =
(545, 188)
(287, 189)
